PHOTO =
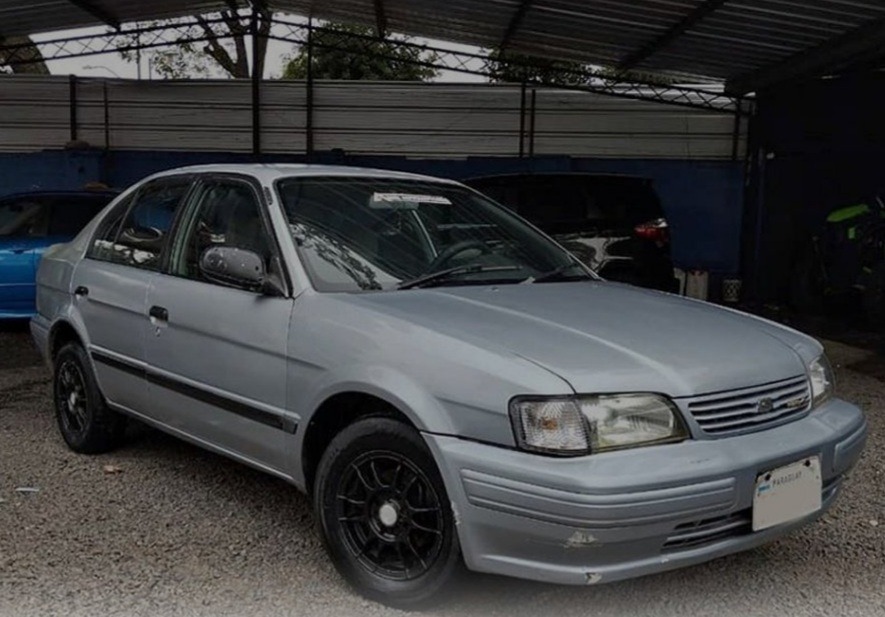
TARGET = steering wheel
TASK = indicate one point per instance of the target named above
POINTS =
(142, 235)
(456, 249)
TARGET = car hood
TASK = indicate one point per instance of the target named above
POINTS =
(608, 337)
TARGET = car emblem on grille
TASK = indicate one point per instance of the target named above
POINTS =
(766, 405)
(796, 403)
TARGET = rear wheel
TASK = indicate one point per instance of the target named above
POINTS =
(384, 514)
(86, 423)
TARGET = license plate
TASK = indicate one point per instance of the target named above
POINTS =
(787, 493)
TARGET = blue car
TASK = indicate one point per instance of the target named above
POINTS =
(30, 222)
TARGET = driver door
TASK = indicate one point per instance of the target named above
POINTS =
(217, 354)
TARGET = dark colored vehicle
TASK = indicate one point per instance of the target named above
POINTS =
(614, 224)
(29, 223)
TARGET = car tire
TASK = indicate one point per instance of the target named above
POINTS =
(86, 423)
(384, 515)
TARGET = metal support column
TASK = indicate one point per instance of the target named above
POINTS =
(736, 135)
(256, 83)
(522, 90)
(72, 103)
(308, 120)
(532, 123)
(107, 115)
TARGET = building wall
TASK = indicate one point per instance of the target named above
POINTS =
(702, 199)
(447, 120)
(822, 146)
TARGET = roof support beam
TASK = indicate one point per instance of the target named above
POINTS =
(515, 23)
(857, 47)
(89, 6)
(380, 19)
(678, 29)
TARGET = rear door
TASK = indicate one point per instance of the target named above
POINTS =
(217, 354)
(22, 236)
(110, 285)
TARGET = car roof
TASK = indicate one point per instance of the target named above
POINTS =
(273, 171)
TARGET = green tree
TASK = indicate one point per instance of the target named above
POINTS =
(35, 65)
(343, 51)
(510, 67)
(225, 48)
(503, 66)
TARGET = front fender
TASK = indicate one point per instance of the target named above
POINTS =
(382, 382)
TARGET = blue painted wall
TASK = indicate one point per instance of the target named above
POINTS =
(702, 200)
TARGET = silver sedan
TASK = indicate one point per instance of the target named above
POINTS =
(448, 384)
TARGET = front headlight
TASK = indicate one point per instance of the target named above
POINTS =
(820, 374)
(587, 424)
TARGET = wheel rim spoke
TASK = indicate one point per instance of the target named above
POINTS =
(351, 501)
(72, 399)
(374, 471)
(421, 527)
(365, 483)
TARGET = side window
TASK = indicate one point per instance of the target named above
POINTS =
(23, 217)
(102, 247)
(227, 214)
(71, 215)
(141, 237)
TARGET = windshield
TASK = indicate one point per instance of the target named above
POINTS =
(361, 233)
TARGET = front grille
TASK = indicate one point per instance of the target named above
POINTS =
(752, 408)
(707, 531)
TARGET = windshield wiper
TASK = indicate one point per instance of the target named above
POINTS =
(443, 275)
(556, 273)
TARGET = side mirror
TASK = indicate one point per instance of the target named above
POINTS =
(233, 267)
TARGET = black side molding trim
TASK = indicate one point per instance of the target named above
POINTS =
(120, 365)
(204, 396)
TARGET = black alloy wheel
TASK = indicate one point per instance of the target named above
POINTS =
(384, 514)
(71, 399)
(390, 515)
(86, 423)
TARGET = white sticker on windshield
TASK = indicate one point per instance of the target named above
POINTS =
(409, 198)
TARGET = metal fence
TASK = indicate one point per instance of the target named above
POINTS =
(391, 118)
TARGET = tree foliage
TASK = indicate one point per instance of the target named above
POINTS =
(352, 52)
(35, 66)
(509, 67)
(225, 49)
(503, 66)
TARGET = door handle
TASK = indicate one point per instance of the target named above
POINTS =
(81, 291)
(159, 313)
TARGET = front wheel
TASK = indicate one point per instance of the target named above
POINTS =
(384, 514)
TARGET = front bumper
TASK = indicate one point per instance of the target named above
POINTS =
(619, 515)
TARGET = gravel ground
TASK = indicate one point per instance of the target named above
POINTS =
(178, 531)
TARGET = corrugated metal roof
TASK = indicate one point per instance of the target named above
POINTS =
(720, 39)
